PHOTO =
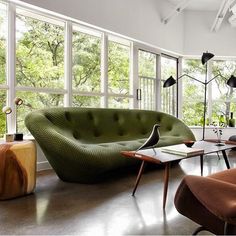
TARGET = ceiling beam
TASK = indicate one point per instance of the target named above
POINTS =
(224, 7)
(180, 7)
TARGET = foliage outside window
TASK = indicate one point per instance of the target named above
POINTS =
(39, 64)
(2, 115)
(224, 97)
(118, 74)
(86, 68)
(168, 95)
(86, 101)
(147, 80)
(193, 93)
(3, 35)
(40, 72)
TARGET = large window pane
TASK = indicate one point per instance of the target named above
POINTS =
(119, 102)
(34, 101)
(86, 101)
(2, 115)
(148, 93)
(118, 67)
(147, 64)
(147, 80)
(168, 95)
(39, 53)
(86, 61)
(223, 97)
(3, 35)
(193, 93)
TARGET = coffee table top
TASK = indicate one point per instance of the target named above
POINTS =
(157, 156)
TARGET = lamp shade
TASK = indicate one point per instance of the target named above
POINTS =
(232, 81)
(169, 82)
(206, 56)
(18, 101)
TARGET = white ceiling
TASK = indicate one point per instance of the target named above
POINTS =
(200, 5)
(225, 10)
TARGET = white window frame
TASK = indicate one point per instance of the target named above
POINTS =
(89, 31)
(15, 7)
(127, 43)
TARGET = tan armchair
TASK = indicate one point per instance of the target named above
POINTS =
(209, 201)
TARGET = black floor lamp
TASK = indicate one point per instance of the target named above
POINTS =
(206, 56)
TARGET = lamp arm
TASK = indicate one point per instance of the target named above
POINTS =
(191, 78)
(215, 78)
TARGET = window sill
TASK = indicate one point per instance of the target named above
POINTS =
(209, 127)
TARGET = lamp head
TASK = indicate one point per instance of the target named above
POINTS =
(169, 82)
(232, 81)
(18, 101)
(206, 56)
(7, 110)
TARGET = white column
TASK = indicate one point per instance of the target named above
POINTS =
(134, 79)
(11, 63)
(104, 69)
(68, 64)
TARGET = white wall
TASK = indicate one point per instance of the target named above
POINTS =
(138, 19)
(199, 38)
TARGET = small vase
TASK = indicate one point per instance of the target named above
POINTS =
(231, 120)
(219, 143)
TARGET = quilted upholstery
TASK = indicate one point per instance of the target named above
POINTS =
(82, 144)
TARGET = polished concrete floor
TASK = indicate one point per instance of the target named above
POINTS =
(106, 208)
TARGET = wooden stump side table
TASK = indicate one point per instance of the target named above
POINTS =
(17, 169)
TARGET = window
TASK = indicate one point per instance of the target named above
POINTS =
(86, 82)
(3, 36)
(147, 80)
(193, 93)
(2, 115)
(223, 98)
(39, 63)
(168, 95)
(118, 73)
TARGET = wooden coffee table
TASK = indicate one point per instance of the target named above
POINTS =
(158, 157)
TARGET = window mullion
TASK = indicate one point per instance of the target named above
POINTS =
(158, 83)
(134, 79)
(179, 105)
(11, 62)
(104, 69)
(209, 94)
(68, 64)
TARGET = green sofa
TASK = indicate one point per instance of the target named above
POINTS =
(83, 144)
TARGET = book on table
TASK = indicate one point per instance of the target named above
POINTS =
(182, 150)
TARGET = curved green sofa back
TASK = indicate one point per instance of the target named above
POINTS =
(83, 144)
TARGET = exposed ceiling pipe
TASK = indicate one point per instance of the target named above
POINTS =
(225, 6)
(232, 19)
(180, 7)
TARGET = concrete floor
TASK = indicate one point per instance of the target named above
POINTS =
(106, 208)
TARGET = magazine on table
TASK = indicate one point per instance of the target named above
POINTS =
(182, 150)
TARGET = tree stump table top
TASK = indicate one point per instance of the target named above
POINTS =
(17, 169)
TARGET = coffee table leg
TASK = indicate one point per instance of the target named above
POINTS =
(138, 177)
(166, 181)
(226, 159)
(201, 164)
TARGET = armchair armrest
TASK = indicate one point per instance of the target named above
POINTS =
(217, 196)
